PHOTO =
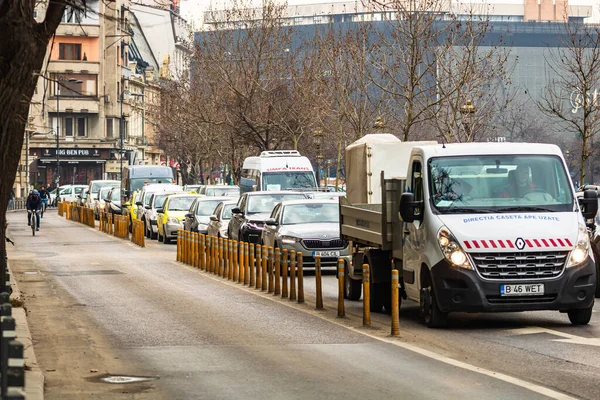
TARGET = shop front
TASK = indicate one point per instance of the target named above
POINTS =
(77, 165)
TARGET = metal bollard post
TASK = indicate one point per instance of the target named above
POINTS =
(246, 264)
(8, 334)
(16, 365)
(277, 267)
(227, 261)
(284, 269)
(293, 275)
(202, 252)
(195, 249)
(236, 261)
(241, 265)
(179, 245)
(211, 254)
(341, 309)
(185, 248)
(299, 263)
(270, 270)
(258, 266)
(222, 244)
(366, 274)
(263, 273)
(318, 283)
(251, 269)
(395, 311)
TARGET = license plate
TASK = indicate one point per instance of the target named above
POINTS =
(534, 289)
(324, 254)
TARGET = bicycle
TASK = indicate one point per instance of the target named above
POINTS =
(33, 221)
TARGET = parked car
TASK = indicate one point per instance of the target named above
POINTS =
(143, 199)
(157, 200)
(220, 190)
(171, 215)
(94, 189)
(113, 201)
(100, 204)
(311, 227)
(193, 189)
(219, 221)
(253, 208)
(198, 217)
(70, 192)
(82, 197)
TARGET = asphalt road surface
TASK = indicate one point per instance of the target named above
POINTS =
(99, 306)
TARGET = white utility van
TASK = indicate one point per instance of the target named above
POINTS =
(277, 170)
(476, 227)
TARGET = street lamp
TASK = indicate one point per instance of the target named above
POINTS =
(121, 127)
(58, 84)
(467, 111)
(318, 140)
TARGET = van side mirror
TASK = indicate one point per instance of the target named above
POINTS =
(410, 210)
(189, 215)
(139, 203)
(160, 210)
(214, 218)
(271, 222)
(589, 204)
(147, 207)
(237, 210)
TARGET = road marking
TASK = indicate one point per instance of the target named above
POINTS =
(553, 394)
(568, 338)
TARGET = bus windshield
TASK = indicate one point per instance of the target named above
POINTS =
(499, 183)
(289, 180)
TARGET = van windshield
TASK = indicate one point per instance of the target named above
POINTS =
(138, 183)
(96, 186)
(502, 183)
(288, 180)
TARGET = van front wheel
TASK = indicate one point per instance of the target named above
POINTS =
(580, 316)
(431, 313)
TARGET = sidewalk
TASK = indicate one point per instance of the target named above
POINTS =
(34, 379)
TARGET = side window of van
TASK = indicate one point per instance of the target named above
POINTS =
(417, 182)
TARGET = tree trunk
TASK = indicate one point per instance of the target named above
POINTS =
(21, 54)
(338, 166)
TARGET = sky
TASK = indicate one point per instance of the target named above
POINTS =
(192, 10)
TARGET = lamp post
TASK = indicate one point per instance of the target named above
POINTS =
(318, 139)
(467, 110)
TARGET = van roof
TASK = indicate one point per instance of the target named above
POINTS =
(493, 148)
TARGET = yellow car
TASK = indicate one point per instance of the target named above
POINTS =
(172, 214)
(130, 211)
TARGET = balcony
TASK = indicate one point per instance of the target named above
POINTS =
(76, 105)
(78, 30)
(85, 67)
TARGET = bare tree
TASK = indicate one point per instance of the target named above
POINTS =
(571, 96)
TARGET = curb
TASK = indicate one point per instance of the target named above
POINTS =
(34, 378)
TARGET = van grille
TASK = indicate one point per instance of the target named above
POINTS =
(531, 265)
(324, 244)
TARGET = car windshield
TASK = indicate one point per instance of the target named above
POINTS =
(288, 180)
(230, 191)
(96, 186)
(227, 211)
(265, 203)
(159, 200)
(310, 214)
(206, 208)
(116, 195)
(180, 203)
(103, 193)
(503, 183)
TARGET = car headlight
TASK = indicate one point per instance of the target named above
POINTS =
(289, 239)
(581, 251)
(452, 250)
(174, 220)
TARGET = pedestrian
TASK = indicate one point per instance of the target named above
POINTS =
(11, 200)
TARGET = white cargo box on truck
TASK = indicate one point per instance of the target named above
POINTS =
(368, 157)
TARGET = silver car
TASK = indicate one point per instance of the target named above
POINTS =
(311, 227)
(157, 200)
(100, 204)
(220, 220)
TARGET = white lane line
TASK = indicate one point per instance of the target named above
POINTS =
(553, 394)
(567, 337)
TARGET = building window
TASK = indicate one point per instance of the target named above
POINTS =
(72, 15)
(69, 51)
(68, 124)
(81, 126)
(76, 85)
(109, 127)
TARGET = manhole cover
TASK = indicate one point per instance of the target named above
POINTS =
(127, 379)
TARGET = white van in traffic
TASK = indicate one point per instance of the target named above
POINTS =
(277, 170)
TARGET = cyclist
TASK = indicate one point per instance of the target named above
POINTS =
(45, 196)
(34, 203)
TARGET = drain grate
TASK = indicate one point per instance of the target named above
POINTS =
(116, 379)
(83, 273)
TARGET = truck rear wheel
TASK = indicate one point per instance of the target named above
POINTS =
(352, 287)
(376, 297)
(580, 316)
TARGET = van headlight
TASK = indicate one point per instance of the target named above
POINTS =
(452, 250)
(581, 252)
(289, 239)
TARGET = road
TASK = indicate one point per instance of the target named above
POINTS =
(100, 306)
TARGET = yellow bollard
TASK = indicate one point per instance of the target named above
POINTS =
(284, 269)
(258, 266)
(263, 270)
(187, 247)
(366, 275)
(293, 275)
(251, 270)
(318, 283)
(299, 263)
(211, 253)
(236, 261)
(227, 257)
(395, 310)
(341, 309)
(277, 267)
(222, 244)
(270, 270)
(242, 267)
(201, 253)
(195, 249)
(244, 264)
